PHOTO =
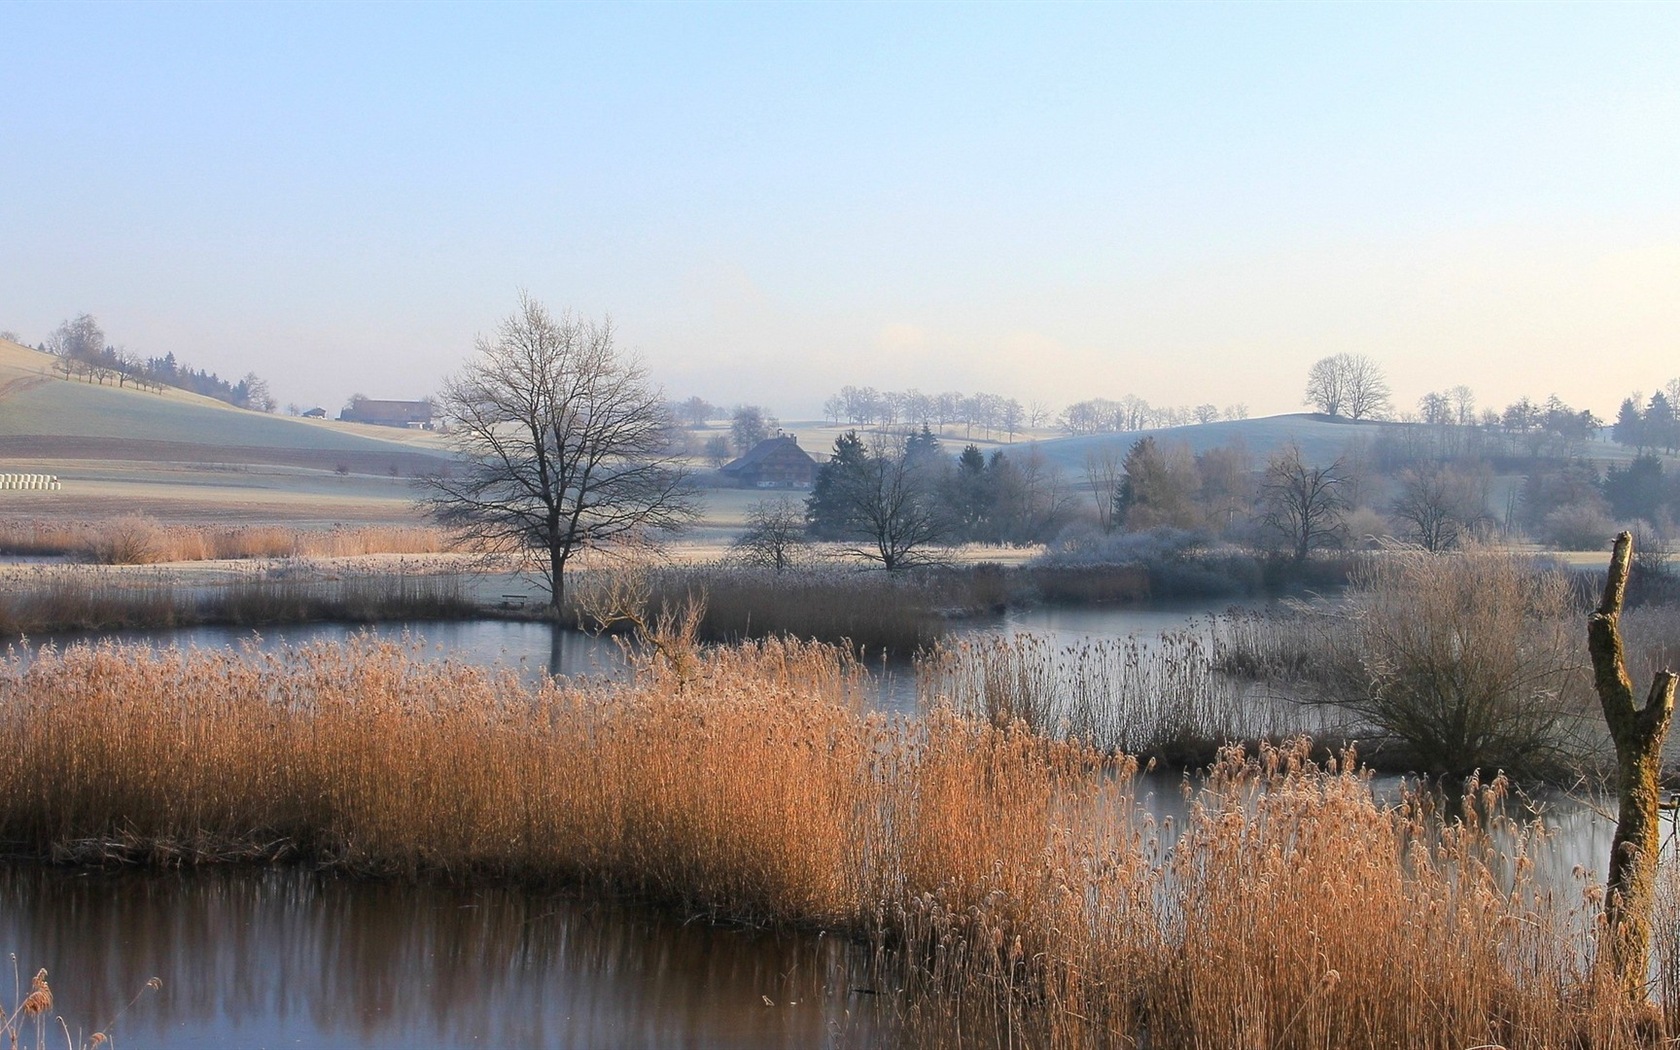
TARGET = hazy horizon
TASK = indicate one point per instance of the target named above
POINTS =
(1185, 203)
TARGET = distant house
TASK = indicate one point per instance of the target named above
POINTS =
(315, 413)
(417, 414)
(775, 463)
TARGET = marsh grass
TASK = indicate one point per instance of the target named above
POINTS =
(71, 598)
(1160, 698)
(1017, 890)
(137, 539)
(870, 611)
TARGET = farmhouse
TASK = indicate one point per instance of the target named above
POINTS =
(388, 413)
(775, 463)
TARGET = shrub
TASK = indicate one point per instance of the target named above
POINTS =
(1577, 527)
(1469, 660)
(1162, 562)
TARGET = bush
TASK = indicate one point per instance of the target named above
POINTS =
(1577, 527)
(1162, 562)
(1468, 660)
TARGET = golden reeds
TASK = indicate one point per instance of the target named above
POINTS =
(137, 539)
(1158, 697)
(44, 599)
(1017, 888)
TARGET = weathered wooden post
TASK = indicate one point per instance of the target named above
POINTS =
(1638, 733)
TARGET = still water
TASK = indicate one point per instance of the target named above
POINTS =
(282, 957)
(270, 958)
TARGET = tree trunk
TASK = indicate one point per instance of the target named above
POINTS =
(1638, 733)
(556, 584)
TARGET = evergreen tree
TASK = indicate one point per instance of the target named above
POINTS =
(921, 448)
(1636, 491)
(971, 496)
(828, 511)
(1157, 489)
(1629, 428)
(1660, 423)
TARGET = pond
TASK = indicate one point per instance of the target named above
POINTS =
(266, 957)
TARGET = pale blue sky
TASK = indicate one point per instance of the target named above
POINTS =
(1186, 202)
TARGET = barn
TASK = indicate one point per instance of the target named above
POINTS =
(774, 463)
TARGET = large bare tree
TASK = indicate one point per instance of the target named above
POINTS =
(1350, 385)
(563, 444)
(1439, 505)
(1303, 504)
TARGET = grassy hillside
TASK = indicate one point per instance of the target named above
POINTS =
(44, 416)
(183, 457)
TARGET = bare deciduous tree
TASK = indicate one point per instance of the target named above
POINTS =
(1350, 385)
(748, 425)
(563, 444)
(1324, 386)
(1303, 504)
(717, 451)
(81, 339)
(885, 500)
(1104, 469)
(1439, 504)
(1366, 390)
(775, 535)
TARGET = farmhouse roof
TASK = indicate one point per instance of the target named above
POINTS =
(768, 449)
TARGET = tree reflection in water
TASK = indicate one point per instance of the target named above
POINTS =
(254, 957)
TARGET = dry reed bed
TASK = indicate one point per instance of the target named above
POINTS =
(1014, 887)
(140, 540)
(1155, 697)
(873, 611)
(71, 598)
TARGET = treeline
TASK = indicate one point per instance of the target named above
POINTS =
(987, 415)
(1102, 416)
(1447, 426)
(897, 499)
(980, 415)
(82, 353)
(1655, 426)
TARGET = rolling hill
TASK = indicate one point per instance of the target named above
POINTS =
(44, 416)
(177, 454)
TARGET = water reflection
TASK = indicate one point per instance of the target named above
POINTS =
(261, 957)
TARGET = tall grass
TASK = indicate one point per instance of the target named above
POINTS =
(1162, 698)
(76, 598)
(137, 539)
(869, 611)
(1017, 888)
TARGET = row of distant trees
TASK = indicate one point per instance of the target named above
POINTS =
(1656, 425)
(1372, 489)
(896, 499)
(979, 415)
(83, 353)
(899, 499)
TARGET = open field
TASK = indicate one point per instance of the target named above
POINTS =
(1019, 890)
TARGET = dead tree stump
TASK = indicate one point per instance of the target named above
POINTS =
(1638, 733)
